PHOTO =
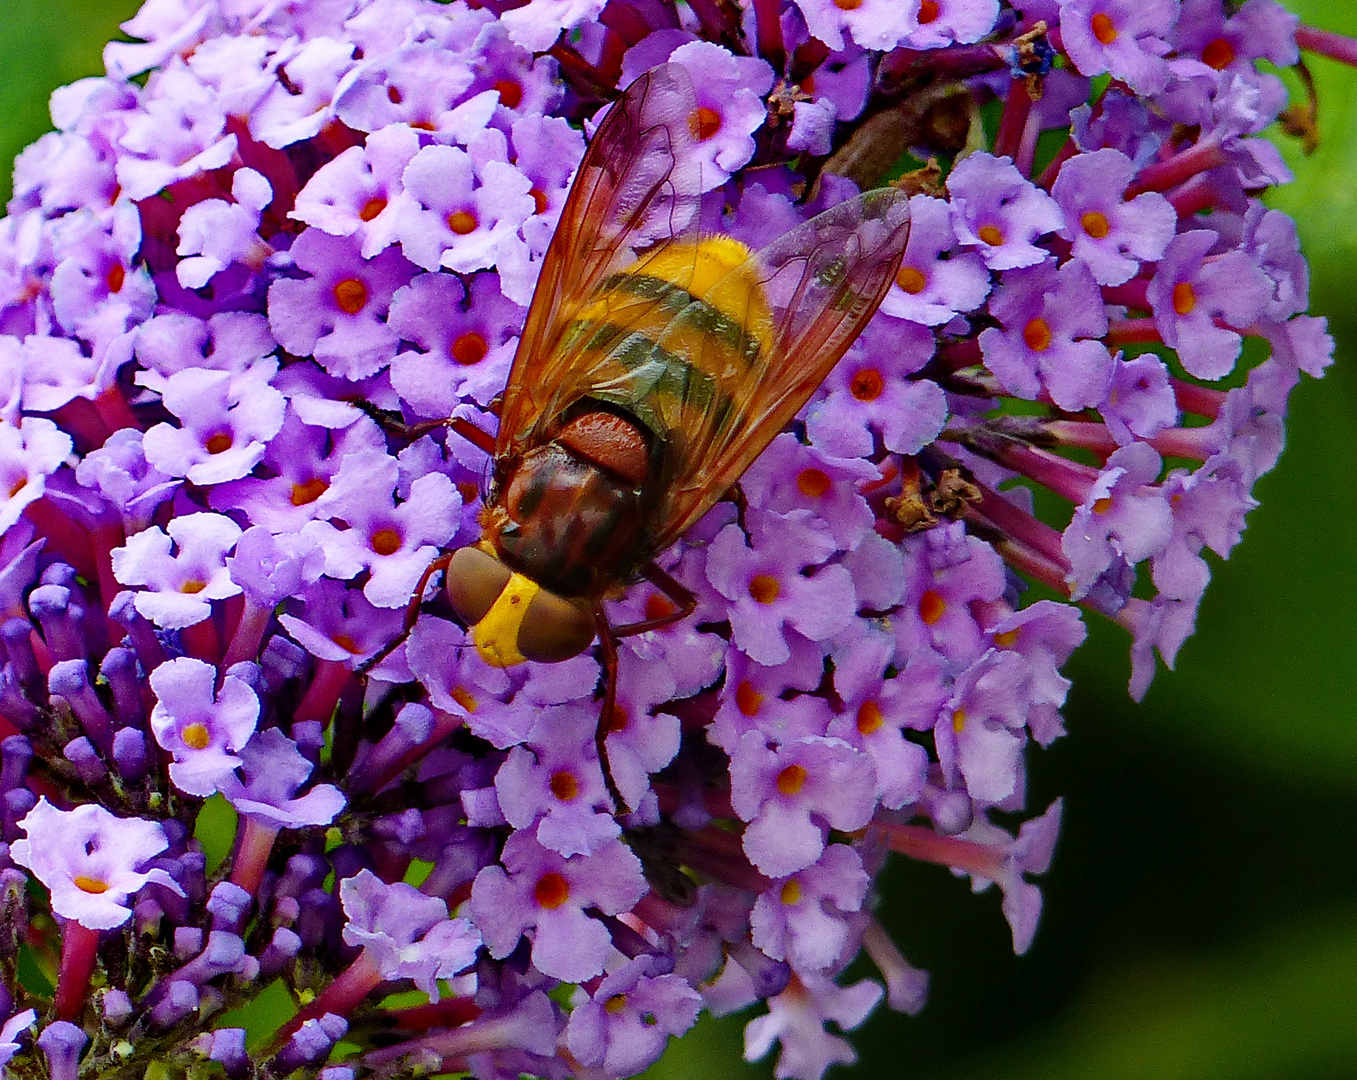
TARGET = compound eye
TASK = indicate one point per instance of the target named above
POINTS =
(554, 629)
(475, 580)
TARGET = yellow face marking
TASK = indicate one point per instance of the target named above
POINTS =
(496, 635)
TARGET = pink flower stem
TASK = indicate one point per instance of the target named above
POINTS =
(64, 537)
(917, 842)
(959, 355)
(1017, 108)
(79, 418)
(1034, 564)
(768, 21)
(79, 949)
(1049, 174)
(105, 538)
(1179, 168)
(114, 410)
(709, 15)
(254, 845)
(341, 997)
(1019, 525)
(1085, 435)
(505, 1031)
(323, 694)
(1202, 400)
(1132, 332)
(1067, 478)
(201, 640)
(1132, 294)
(393, 755)
(721, 854)
(956, 62)
(1198, 194)
(254, 620)
(1195, 444)
(447, 1013)
(1326, 43)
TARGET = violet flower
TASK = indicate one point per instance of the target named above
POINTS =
(261, 263)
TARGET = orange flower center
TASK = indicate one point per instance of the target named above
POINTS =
(928, 11)
(813, 483)
(193, 588)
(218, 443)
(371, 209)
(464, 698)
(1184, 298)
(1095, 224)
(115, 277)
(308, 492)
(1037, 334)
(1102, 506)
(469, 349)
(351, 295)
(659, 606)
(704, 123)
(911, 280)
(931, 607)
(462, 222)
(747, 699)
(618, 719)
(867, 385)
(347, 643)
(869, 717)
(791, 891)
(792, 779)
(1006, 639)
(564, 786)
(958, 720)
(552, 890)
(539, 200)
(386, 541)
(90, 885)
(510, 93)
(848, 5)
(1219, 54)
(196, 736)
(1104, 29)
(764, 588)
(615, 1004)
(991, 235)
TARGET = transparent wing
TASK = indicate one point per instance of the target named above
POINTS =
(822, 281)
(637, 186)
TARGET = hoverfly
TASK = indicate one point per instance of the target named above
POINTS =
(655, 364)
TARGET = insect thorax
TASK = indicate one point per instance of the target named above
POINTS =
(567, 523)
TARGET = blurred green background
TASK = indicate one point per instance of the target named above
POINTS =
(1201, 915)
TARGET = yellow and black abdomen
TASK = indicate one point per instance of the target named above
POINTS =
(672, 339)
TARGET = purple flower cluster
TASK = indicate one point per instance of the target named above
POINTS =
(258, 262)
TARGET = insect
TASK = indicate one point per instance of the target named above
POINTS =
(655, 364)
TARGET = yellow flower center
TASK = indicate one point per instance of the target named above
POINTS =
(792, 779)
(351, 295)
(1095, 224)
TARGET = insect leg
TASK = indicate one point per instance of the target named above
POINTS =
(735, 494)
(411, 615)
(681, 595)
(482, 440)
(605, 716)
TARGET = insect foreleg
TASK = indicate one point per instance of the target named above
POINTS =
(681, 595)
(735, 494)
(482, 440)
(411, 615)
(605, 716)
